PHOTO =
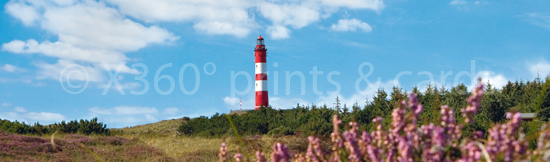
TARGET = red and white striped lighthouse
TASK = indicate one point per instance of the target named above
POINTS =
(261, 75)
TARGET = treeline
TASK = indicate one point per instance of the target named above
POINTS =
(85, 127)
(530, 96)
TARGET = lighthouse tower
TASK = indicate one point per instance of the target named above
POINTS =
(261, 75)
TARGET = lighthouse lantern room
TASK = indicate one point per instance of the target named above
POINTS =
(261, 74)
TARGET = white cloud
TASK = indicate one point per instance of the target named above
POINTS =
(367, 92)
(88, 32)
(5, 104)
(94, 25)
(237, 17)
(171, 110)
(27, 14)
(69, 70)
(122, 121)
(234, 102)
(497, 80)
(467, 4)
(21, 114)
(121, 116)
(10, 68)
(20, 109)
(64, 51)
(541, 68)
(134, 110)
(125, 85)
(295, 15)
(376, 5)
(538, 19)
(124, 110)
(351, 25)
(229, 17)
(45, 116)
(92, 32)
(278, 32)
(97, 110)
(150, 118)
(458, 2)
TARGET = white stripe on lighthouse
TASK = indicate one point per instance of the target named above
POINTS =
(261, 85)
(261, 68)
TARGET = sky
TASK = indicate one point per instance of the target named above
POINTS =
(131, 62)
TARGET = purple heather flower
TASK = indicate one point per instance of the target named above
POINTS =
(223, 153)
(439, 138)
(238, 157)
(351, 142)
(260, 157)
(299, 158)
(280, 153)
(405, 150)
(314, 150)
(472, 153)
(474, 101)
(398, 118)
(337, 141)
(414, 105)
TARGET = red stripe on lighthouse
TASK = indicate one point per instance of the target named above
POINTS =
(261, 76)
(260, 55)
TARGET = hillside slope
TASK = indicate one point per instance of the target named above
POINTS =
(164, 127)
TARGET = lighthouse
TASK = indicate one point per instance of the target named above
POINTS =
(261, 74)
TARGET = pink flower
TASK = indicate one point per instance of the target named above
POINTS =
(260, 157)
(474, 101)
(280, 153)
(223, 153)
(238, 157)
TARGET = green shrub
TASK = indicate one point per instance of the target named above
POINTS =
(281, 130)
(530, 96)
(86, 127)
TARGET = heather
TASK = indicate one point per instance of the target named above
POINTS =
(76, 148)
(405, 140)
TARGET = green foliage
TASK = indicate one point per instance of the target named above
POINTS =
(185, 129)
(85, 127)
(317, 120)
(281, 130)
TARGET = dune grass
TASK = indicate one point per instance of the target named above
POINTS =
(76, 148)
(163, 135)
(151, 142)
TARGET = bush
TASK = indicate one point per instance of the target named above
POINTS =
(281, 130)
(85, 127)
(185, 129)
(530, 96)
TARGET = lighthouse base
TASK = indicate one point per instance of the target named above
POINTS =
(261, 99)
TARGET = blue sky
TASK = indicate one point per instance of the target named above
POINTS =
(51, 47)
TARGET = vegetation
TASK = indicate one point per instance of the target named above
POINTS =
(76, 148)
(406, 141)
(85, 127)
(261, 130)
(530, 96)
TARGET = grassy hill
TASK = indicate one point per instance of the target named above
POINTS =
(163, 135)
(165, 127)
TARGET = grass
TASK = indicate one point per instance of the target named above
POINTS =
(76, 148)
(151, 142)
(165, 127)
